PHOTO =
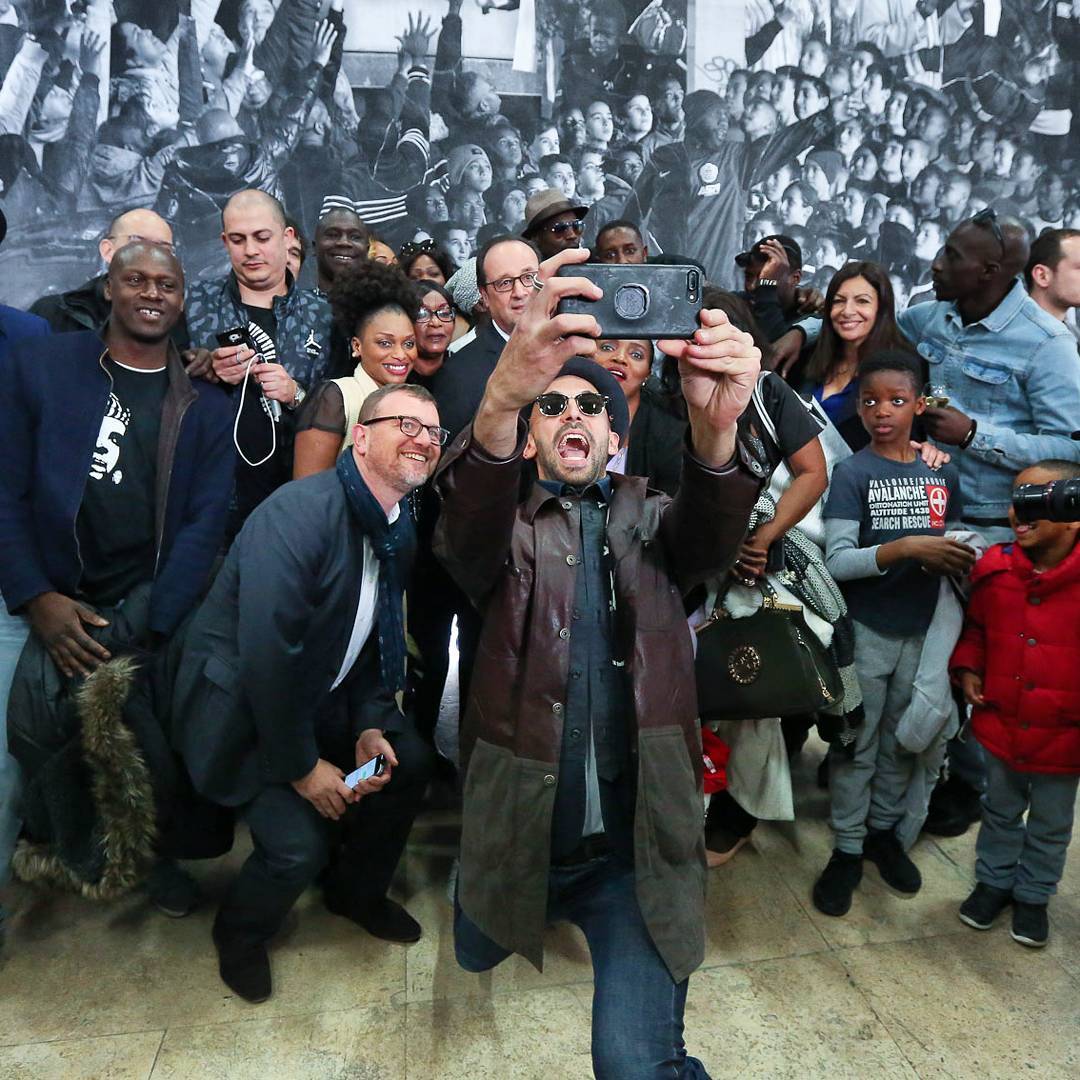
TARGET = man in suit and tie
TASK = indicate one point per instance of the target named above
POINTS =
(290, 678)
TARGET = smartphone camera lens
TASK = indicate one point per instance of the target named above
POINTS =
(693, 285)
(631, 301)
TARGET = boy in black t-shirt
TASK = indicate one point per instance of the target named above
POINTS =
(885, 524)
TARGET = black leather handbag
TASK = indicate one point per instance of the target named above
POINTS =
(766, 664)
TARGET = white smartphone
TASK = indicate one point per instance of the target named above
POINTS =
(375, 767)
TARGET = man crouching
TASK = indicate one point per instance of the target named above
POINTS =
(288, 683)
(580, 746)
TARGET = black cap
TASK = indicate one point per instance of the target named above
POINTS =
(786, 242)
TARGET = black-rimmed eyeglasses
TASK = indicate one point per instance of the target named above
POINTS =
(409, 425)
(528, 279)
(988, 216)
(589, 403)
(443, 314)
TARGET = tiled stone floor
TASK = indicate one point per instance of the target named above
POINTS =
(897, 988)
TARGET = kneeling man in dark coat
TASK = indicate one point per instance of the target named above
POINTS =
(291, 678)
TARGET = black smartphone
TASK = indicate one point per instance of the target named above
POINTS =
(235, 335)
(639, 301)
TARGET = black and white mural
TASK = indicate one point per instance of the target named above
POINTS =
(861, 128)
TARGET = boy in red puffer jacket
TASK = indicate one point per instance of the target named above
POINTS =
(1018, 663)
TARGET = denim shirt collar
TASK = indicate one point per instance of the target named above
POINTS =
(602, 488)
(998, 319)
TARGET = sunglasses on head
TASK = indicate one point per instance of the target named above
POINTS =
(416, 248)
(558, 228)
(988, 216)
(589, 403)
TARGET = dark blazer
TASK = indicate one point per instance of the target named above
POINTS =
(55, 394)
(458, 386)
(16, 325)
(656, 445)
(268, 642)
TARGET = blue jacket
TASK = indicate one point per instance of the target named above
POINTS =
(55, 394)
(1016, 373)
(15, 325)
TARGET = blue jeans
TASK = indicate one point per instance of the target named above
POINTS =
(637, 1015)
(14, 630)
(1025, 858)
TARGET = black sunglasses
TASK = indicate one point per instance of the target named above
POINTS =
(988, 216)
(557, 228)
(589, 403)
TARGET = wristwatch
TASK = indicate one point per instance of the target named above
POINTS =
(297, 401)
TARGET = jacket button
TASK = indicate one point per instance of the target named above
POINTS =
(564, 633)
(557, 708)
(1034, 599)
(575, 733)
(1032, 641)
(549, 780)
(572, 560)
(567, 504)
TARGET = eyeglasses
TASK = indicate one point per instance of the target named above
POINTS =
(589, 403)
(443, 314)
(134, 238)
(418, 247)
(409, 425)
(558, 228)
(988, 216)
(528, 279)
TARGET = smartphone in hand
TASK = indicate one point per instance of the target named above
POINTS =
(640, 300)
(376, 766)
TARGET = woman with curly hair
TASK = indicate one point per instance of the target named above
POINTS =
(374, 305)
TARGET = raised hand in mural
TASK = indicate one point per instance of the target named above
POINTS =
(415, 43)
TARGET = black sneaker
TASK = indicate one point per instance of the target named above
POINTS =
(884, 850)
(983, 906)
(245, 970)
(1030, 926)
(839, 880)
(172, 890)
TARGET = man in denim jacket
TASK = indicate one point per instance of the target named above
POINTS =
(1009, 369)
(1012, 378)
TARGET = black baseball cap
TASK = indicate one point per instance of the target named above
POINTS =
(786, 242)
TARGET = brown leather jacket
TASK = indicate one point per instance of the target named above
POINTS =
(513, 559)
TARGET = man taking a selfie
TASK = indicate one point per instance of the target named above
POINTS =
(580, 746)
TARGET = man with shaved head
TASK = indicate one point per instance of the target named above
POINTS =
(1009, 370)
(86, 308)
(118, 472)
(286, 347)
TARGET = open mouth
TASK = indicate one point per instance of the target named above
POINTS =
(414, 455)
(573, 446)
(618, 373)
(343, 256)
(398, 371)
(150, 314)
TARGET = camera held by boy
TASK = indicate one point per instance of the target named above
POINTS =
(1018, 664)
(886, 519)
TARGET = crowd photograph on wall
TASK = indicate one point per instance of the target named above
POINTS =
(339, 482)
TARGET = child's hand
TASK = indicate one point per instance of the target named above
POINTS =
(972, 685)
(937, 555)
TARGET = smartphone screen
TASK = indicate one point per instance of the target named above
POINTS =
(371, 768)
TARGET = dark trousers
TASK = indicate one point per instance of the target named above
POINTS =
(637, 1013)
(435, 602)
(294, 844)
